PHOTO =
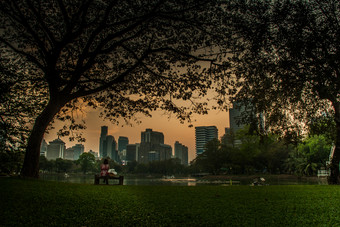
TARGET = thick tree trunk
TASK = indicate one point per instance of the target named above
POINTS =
(31, 162)
(334, 166)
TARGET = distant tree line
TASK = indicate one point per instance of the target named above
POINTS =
(87, 164)
(165, 167)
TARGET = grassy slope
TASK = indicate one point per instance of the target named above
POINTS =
(42, 203)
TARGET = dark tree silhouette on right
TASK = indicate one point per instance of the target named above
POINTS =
(285, 60)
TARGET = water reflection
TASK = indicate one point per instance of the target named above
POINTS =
(185, 181)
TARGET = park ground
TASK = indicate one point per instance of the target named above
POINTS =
(46, 203)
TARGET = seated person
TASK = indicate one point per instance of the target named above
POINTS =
(104, 168)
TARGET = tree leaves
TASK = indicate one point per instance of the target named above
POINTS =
(107, 54)
(283, 59)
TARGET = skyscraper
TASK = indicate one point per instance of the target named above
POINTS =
(181, 152)
(234, 115)
(110, 146)
(152, 147)
(55, 149)
(69, 153)
(107, 145)
(132, 151)
(153, 137)
(73, 153)
(242, 108)
(78, 150)
(103, 134)
(43, 148)
(204, 134)
(122, 143)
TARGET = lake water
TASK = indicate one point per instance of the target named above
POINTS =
(187, 181)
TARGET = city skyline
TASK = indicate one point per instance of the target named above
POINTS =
(173, 130)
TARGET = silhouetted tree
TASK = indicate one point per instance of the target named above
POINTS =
(286, 57)
(46, 165)
(86, 161)
(11, 162)
(18, 104)
(122, 56)
(316, 149)
(63, 165)
(131, 166)
(323, 125)
(214, 157)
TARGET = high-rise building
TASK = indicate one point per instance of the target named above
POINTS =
(165, 152)
(69, 153)
(152, 137)
(181, 152)
(111, 148)
(107, 145)
(103, 134)
(122, 143)
(78, 149)
(132, 151)
(153, 142)
(153, 156)
(43, 148)
(204, 134)
(234, 115)
(55, 149)
(74, 152)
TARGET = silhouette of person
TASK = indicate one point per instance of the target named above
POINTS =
(104, 170)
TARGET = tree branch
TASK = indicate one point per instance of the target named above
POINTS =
(20, 52)
(65, 15)
(40, 20)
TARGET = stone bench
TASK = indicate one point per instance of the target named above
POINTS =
(119, 178)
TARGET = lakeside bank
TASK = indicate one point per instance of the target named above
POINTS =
(183, 180)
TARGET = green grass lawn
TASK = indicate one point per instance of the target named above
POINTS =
(45, 203)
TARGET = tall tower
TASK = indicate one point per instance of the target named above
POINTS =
(43, 148)
(122, 143)
(111, 148)
(153, 137)
(102, 142)
(204, 134)
(152, 147)
(132, 151)
(78, 150)
(55, 149)
(107, 145)
(181, 152)
(234, 114)
(122, 147)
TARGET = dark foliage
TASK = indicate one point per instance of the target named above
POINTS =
(124, 57)
(285, 61)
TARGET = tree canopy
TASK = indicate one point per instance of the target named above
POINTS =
(285, 61)
(86, 161)
(122, 56)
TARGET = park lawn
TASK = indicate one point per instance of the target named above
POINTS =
(46, 203)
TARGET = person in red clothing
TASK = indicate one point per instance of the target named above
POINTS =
(104, 170)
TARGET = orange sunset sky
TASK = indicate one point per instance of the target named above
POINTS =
(172, 129)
